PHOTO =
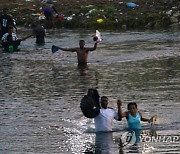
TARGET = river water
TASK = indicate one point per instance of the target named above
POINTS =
(40, 92)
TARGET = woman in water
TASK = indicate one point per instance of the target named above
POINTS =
(133, 116)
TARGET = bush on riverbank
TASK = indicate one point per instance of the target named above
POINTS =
(149, 14)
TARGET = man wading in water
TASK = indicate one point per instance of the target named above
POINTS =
(82, 52)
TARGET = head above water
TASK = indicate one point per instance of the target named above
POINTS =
(104, 102)
(81, 44)
(132, 108)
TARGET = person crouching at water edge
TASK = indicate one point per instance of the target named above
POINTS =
(103, 121)
(10, 42)
(82, 52)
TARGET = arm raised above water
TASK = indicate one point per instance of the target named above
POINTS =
(120, 112)
(92, 49)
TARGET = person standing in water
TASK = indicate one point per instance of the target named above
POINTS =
(39, 34)
(82, 52)
(133, 116)
(103, 121)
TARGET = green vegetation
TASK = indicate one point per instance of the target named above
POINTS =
(149, 14)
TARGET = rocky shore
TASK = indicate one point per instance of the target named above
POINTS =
(104, 14)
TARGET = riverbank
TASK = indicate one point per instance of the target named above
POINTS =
(104, 14)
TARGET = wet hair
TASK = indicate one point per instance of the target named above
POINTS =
(104, 97)
(130, 104)
(81, 41)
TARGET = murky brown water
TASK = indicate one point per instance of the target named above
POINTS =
(40, 92)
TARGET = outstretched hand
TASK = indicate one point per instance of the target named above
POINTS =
(153, 120)
(95, 38)
(54, 48)
(119, 102)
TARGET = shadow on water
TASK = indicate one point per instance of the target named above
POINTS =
(41, 92)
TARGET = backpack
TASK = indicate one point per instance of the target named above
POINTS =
(89, 105)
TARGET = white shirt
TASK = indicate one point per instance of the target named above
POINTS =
(4, 37)
(103, 122)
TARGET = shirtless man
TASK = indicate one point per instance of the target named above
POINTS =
(82, 52)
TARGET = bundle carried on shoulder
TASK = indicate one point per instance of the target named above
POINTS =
(89, 105)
